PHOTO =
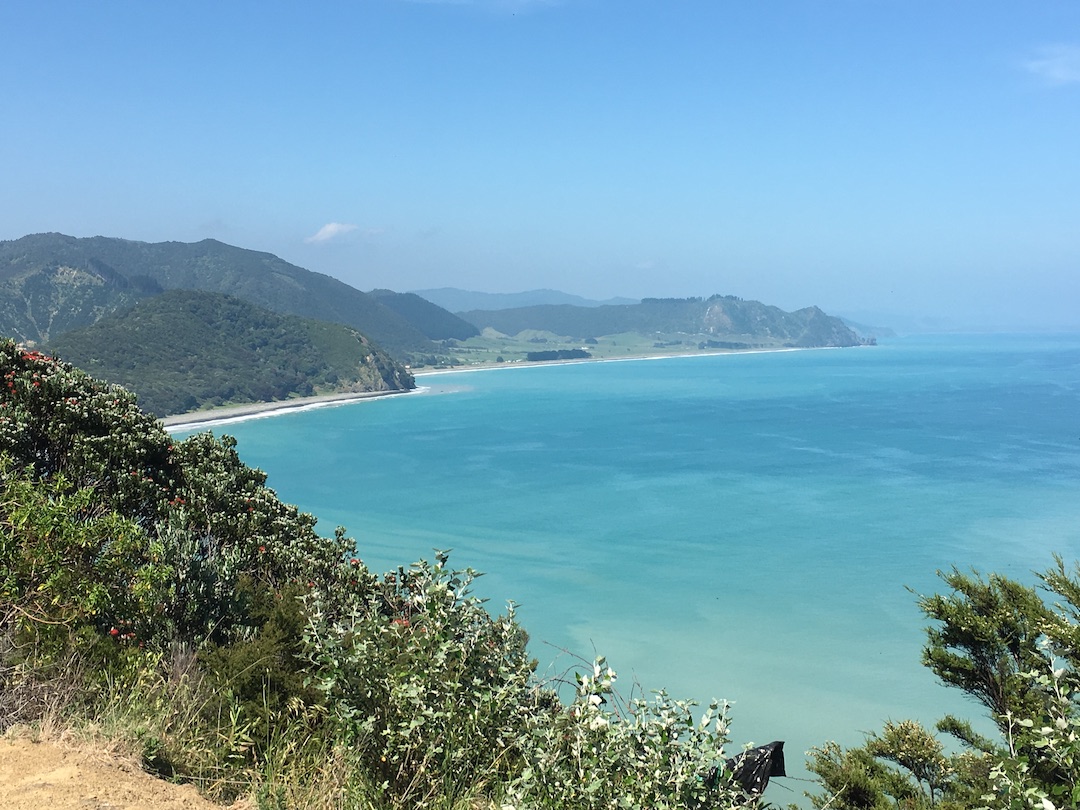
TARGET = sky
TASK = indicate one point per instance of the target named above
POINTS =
(908, 162)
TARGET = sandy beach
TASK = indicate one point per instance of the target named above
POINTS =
(253, 410)
(256, 410)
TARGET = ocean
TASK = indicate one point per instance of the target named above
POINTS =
(746, 527)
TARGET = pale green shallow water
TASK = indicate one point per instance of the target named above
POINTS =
(738, 527)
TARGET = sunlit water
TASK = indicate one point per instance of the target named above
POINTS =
(743, 527)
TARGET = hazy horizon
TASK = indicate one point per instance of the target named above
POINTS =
(900, 162)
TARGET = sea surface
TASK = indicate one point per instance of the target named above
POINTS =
(746, 527)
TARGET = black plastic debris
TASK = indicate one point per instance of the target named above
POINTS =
(751, 770)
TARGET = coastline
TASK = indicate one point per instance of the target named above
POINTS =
(256, 410)
(228, 414)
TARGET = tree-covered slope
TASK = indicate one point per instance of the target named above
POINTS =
(435, 322)
(40, 299)
(51, 282)
(719, 316)
(185, 349)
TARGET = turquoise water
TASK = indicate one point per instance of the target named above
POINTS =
(742, 527)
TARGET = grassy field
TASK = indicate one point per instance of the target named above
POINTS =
(492, 348)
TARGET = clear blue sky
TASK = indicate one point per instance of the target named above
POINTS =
(893, 158)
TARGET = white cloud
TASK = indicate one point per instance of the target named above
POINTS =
(1056, 64)
(329, 231)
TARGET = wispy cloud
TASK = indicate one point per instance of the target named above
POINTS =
(329, 231)
(1056, 64)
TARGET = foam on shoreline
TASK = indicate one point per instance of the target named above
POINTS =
(231, 414)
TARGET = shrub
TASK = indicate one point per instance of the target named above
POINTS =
(430, 691)
(649, 755)
(437, 699)
(80, 588)
(56, 420)
(166, 587)
(208, 520)
(1001, 643)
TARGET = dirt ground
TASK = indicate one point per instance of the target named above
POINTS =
(60, 776)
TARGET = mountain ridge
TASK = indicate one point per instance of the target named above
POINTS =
(55, 288)
(99, 263)
(720, 316)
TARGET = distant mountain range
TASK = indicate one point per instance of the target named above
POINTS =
(263, 329)
(187, 325)
(457, 300)
(729, 321)
(51, 283)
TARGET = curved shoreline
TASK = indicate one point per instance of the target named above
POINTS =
(257, 410)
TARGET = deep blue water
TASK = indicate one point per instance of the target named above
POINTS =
(743, 527)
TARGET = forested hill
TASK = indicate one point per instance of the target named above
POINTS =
(721, 316)
(187, 349)
(435, 322)
(51, 283)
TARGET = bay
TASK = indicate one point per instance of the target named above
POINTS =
(748, 527)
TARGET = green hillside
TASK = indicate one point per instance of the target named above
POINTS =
(183, 350)
(720, 318)
(435, 322)
(50, 283)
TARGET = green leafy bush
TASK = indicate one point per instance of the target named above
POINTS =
(173, 592)
(114, 534)
(56, 420)
(438, 700)
(1002, 643)
(1041, 766)
(67, 561)
(82, 589)
(430, 690)
(210, 518)
(647, 754)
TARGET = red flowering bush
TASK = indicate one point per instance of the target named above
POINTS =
(114, 535)
(71, 568)
(56, 420)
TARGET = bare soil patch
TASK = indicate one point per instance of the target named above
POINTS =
(51, 775)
